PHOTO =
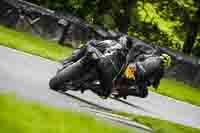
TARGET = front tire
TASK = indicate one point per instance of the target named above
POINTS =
(71, 72)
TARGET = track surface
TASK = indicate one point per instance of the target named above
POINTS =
(28, 76)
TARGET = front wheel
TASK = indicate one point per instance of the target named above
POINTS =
(71, 72)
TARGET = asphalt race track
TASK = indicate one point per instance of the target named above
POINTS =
(28, 76)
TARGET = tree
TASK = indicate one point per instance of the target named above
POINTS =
(122, 16)
(172, 23)
(193, 25)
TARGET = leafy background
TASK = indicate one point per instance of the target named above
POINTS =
(171, 23)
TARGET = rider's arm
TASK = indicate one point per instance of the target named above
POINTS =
(76, 55)
(79, 53)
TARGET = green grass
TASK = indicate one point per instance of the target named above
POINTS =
(161, 126)
(180, 91)
(17, 116)
(50, 50)
(33, 45)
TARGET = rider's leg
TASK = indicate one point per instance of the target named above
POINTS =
(140, 90)
(78, 54)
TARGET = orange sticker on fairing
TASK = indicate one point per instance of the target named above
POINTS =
(130, 73)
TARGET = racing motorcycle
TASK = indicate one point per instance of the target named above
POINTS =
(73, 76)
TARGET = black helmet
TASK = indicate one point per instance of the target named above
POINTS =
(125, 41)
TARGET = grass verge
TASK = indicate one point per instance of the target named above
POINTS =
(50, 50)
(180, 91)
(17, 116)
(32, 45)
(161, 126)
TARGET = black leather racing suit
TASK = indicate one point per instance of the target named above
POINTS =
(107, 65)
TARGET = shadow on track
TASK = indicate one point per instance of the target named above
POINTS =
(85, 101)
(101, 107)
(130, 104)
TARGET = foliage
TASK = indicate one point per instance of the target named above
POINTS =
(172, 23)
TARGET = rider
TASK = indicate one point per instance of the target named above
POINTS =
(144, 73)
(109, 57)
(124, 43)
(112, 66)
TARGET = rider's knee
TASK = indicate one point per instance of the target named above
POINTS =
(52, 87)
